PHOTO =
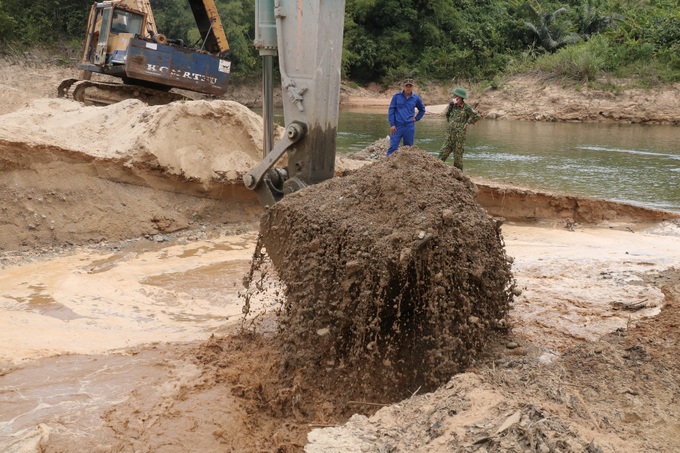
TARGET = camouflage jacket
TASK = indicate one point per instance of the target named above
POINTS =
(457, 117)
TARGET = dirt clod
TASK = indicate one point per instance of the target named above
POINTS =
(400, 285)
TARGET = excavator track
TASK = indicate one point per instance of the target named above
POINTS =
(106, 93)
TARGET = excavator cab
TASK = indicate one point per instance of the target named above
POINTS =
(126, 22)
(113, 29)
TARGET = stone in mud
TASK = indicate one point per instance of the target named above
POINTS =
(398, 266)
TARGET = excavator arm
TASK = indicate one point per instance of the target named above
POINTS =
(210, 27)
(307, 37)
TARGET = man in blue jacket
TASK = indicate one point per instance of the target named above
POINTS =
(402, 116)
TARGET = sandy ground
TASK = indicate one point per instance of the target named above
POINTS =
(121, 264)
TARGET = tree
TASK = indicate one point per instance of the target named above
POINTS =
(590, 20)
(7, 24)
(550, 35)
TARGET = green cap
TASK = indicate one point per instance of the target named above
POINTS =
(460, 93)
(408, 81)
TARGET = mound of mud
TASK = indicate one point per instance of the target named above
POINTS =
(393, 272)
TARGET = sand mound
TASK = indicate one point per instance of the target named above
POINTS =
(124, 170)
(75, 174)
(198, 140)
(386, 280)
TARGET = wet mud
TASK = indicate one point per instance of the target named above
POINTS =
(395, 277)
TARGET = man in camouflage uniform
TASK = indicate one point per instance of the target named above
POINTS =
(459, 115)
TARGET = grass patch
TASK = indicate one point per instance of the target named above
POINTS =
(581, 62)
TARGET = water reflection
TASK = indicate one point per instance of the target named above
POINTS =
(631, 163)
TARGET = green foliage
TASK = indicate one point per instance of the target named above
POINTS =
(664, 36)
(239, 25)
(581, 62)
(595, 16)
(7, 24)
(440, 40)
(550, 33)
(42, 21)
(174, 19)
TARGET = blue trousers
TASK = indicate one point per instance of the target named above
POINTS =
(405, 131)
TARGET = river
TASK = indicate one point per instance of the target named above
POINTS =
(631, 163)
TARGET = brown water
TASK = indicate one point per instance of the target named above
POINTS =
(68, 395)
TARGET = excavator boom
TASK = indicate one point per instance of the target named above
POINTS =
(210, 26)
(307, 36)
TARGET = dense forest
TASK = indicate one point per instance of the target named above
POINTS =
(476, 40)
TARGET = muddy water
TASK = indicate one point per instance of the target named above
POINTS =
(631, 163)
(83, 332)
(67, 395)
(579, 286)
(101, 300)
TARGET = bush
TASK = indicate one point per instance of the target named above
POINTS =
(582, 62)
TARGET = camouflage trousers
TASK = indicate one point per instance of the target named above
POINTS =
(455, 142)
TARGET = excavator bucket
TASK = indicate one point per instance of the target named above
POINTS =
(393, 273)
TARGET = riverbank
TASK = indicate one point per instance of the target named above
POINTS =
(535, 98)
(524, 98)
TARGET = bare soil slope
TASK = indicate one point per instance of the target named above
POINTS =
(536, 98)
(77, 174)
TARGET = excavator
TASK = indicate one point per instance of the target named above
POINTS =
(122, 41)
(307, 37)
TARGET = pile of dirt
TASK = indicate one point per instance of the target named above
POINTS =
(401, 286)
(618, 394)
(374, 151)
(182, 139)
(139, 170)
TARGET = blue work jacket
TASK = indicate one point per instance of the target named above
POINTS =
(402, 109)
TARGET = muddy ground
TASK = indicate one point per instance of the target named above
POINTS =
(125, 240)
